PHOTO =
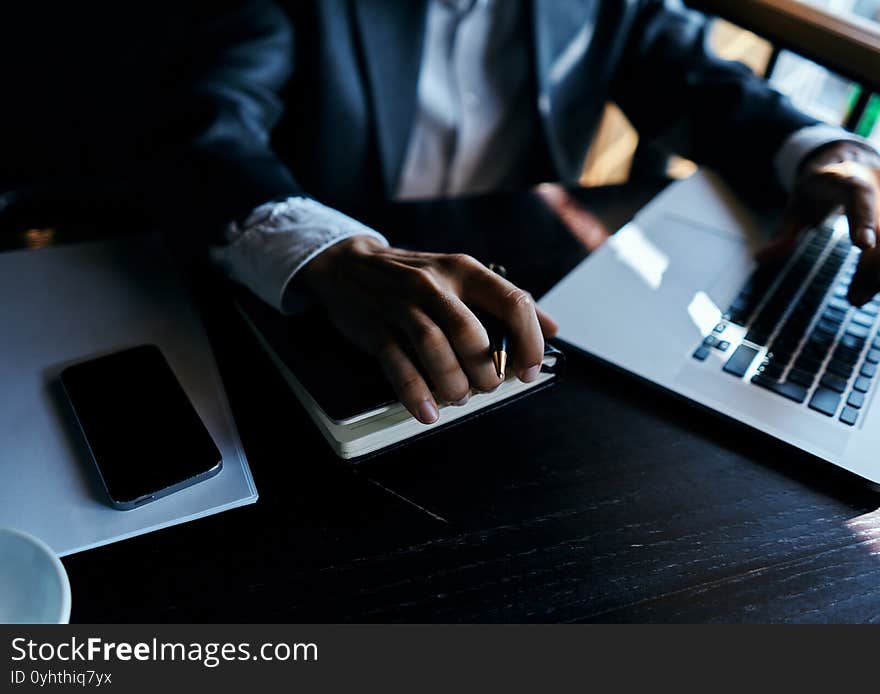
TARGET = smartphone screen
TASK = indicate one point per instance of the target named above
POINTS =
(143, 433)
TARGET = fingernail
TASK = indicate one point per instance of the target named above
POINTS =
(463, 401)
(428, 413)
(530, 374)
(870, 237)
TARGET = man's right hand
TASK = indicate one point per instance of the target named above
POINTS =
(395, 303)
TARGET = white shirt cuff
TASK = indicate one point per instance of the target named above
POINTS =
(803, 142)
(278, 239)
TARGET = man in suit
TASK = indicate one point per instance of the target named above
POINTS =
(401, 99)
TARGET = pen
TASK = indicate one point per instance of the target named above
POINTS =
(497, 334)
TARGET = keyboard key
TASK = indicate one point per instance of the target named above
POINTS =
(758, 335)
(862, 384)
(802, 378)
(723, 345)
(846, 354)
(858, 331)
(813, 352)
(832, 382)
(780, 353)
(856, 399)
(789, 390)
(827, 327)
(719, 328)
(849, 415)
(772, 369)
(841, 368)
(821, 340)
(795, 325)
(839, 304)
(710, 341)
(806, 308)
(740, 360)
(825, 401)
(868, 370)
(807, 363)
(833, 314)
(873, 356)
(863, 320)
(701, 353)
(851, 341)
(784, 342)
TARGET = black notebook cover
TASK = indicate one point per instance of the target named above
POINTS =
(342, 379)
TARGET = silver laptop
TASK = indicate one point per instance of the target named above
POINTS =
(677, 298)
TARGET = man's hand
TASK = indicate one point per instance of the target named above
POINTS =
(846, 176)
(406, 307)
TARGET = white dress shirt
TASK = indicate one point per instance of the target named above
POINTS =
(470, 135)
(470, 132)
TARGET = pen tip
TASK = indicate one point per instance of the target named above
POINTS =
(499, 359)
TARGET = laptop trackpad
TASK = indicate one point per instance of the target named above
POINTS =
(632, 302)
(673, 265)
(700, 257)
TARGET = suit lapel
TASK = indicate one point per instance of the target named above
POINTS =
(392, 34)
(563, 34)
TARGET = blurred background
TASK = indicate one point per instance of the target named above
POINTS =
(616, 156)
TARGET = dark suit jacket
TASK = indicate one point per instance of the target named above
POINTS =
(351, 101)
(246, 101)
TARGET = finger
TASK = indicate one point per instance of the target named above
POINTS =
(866, 280)
(853, 185)
(457, 358)
(516, 309)
(861, 213)
(548, 324)
(468, 338)
(816, 196)
(436, 355)
(408, 383)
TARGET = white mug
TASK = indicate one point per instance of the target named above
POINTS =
(34, 588)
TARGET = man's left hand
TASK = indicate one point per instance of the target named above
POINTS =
(842, 175)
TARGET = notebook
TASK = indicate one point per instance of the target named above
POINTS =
(344, 390)
(68, 304)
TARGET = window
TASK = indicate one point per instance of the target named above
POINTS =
(821, 92)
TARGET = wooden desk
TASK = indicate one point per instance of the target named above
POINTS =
(601, 499)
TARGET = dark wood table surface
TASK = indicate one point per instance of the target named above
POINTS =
(600, 499)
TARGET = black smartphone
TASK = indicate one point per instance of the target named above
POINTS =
(144, 435)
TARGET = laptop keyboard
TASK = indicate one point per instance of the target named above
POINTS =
(815, 348)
